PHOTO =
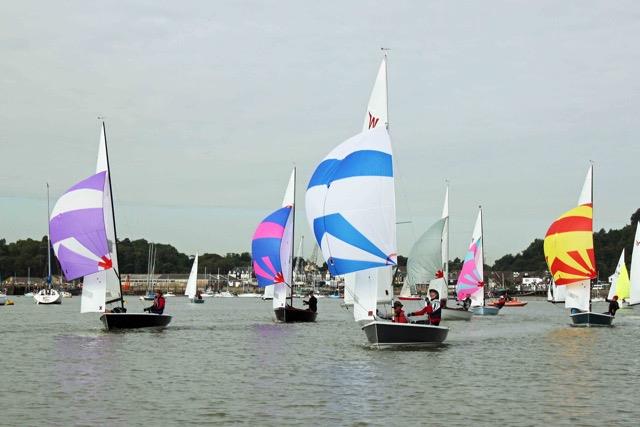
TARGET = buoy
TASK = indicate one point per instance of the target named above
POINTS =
(10, 302)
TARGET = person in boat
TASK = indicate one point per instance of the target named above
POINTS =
(198, 294)
(158, 303)
(312, 302)
(398, 313)
(613, 305)
(432, 308)
(501, 302)
(466, 303)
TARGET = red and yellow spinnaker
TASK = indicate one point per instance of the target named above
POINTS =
(568, 246)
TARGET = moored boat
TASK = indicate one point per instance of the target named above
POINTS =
(191, 290)
(48, 296)
(513, 302)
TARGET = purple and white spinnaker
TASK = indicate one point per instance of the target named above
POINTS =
(77, 226)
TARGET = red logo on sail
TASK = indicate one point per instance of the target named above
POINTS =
(373, 121)
(480, 283)
(106, 263)
(439, 274)
(279, 278)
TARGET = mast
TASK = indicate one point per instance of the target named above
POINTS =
(592, 221)
(484, 287)
(386, 84)
(48, 241)
(293, 232)
(113, 212)
(446, 248)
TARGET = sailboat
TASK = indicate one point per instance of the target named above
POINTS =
(634, 291)
(191, 291)
(428, 264)
(555, 294)
(471, 278)
(48, 295)
(272, 255)
(568, 249)
(350, 203)
(620, 286)
(377, 115)
(83, 235)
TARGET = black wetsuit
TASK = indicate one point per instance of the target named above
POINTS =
(613, 307)
(313, 304)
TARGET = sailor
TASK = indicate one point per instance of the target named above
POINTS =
(158, 303)
(432, 308)
(613, 305)
(466, 303)
(501, 302)
(398, 313)
(198, 295)
(312, 302)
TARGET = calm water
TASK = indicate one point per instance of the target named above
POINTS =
(226, 362)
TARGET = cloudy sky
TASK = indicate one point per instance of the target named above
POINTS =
(209, 104)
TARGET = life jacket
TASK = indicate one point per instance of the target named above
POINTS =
(160, 303)
(400, 318)
(433, 310)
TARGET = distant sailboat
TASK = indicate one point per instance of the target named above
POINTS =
(568, 249)
(272, 254)
(48, 295)
(191, 291)
(83, 235)
(620, 286)
(471, 282)
(556, 294)
(350, 203)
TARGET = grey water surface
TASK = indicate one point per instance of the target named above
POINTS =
(227, 362)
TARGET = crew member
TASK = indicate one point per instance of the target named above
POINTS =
(158, 304)
(398, 313)
(198, 294)
(501, 302)
(432, 308)
(613, 306)
(312, 303)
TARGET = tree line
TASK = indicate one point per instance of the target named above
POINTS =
(17, 257)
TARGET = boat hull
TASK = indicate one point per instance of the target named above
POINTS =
(589, 319)
(197, 301)
(388, 334)
(510, 303)
(291, 314)
(3, 299)
(456, 314)
(53, 297)
(113, 321)
(485, 311)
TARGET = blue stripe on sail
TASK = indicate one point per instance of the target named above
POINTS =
(358, 163)
(280, 216)
(337, 226)
(338, 266)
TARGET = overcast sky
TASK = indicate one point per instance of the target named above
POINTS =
(208, 104)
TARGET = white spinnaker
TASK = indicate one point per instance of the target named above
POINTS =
(366, 202)
(105, 285)
(192, 283)
(477, 298)
(377, 111)
(578, 295)
(634, 273)
(365, 295)
(616, 276)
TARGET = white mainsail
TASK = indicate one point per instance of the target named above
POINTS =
(634, 274)
(477, 298)
(192, 283)
(283, 290)
(100, 288)
(578, 295)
